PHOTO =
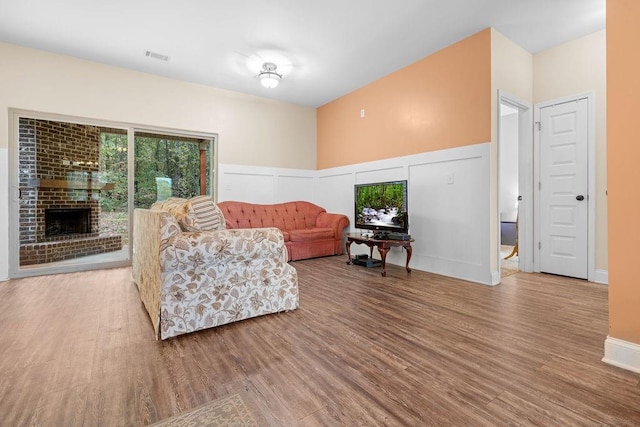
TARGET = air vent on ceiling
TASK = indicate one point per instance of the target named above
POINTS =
(156, 55)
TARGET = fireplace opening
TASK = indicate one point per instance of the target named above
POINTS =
(58, 222)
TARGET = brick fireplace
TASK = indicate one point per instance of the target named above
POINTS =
(60, 192)
(60, 222)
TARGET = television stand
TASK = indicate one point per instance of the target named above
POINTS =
(383, 246)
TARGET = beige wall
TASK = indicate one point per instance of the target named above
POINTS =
(511, 73)
(575, 68)
(252, 130)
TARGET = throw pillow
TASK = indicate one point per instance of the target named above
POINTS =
(208, 216)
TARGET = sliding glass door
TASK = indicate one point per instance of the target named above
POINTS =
(72, 199)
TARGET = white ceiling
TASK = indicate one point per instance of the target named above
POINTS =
(325, 49)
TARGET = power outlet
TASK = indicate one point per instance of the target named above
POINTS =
(450, 178)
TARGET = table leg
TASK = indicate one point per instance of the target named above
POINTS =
(409, 250)
(383, 255)
(348, 247)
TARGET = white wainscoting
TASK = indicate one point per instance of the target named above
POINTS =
(448, 207)
(265, 185)
(448, 203)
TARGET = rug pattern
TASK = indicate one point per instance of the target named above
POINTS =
(226, 411)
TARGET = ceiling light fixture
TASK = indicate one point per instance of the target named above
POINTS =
(268, 76)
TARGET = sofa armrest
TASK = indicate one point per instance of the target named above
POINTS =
(337, 222)
(193, 251)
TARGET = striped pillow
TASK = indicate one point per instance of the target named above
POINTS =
(204, 214)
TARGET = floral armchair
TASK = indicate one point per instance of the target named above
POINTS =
(192, 273)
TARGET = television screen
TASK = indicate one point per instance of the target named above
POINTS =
(382, 206)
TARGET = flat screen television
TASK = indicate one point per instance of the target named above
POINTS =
(382, 206)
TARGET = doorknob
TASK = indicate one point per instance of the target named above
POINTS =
(579, 197)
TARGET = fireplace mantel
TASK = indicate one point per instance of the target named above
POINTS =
(71, 185)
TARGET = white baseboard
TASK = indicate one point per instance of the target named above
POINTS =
(602, 276)
(495, 277)
(623, 354)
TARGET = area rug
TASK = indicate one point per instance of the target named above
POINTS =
(226, 411)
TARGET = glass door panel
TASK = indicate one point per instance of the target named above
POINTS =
(114, 205)
(68, 189)
(170, 166)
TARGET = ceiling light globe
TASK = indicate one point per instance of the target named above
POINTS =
(269, 78)
(269, 81)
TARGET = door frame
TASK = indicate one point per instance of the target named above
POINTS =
(525, 178)
(591, 178)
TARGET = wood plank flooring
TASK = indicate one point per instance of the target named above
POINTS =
(363, 350)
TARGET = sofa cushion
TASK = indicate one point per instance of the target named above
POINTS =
(285, 216)
(309, 234)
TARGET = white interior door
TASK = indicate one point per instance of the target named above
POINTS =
(564, 189)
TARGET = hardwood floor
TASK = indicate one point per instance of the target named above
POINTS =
(418, 349)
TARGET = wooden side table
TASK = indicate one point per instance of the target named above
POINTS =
(383, 246)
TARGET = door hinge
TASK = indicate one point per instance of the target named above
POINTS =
(540, 186)
(539, 126)
(539, 245)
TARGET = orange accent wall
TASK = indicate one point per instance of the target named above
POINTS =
(623, 173)
(441, 101)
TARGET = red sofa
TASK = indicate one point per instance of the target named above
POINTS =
(309, 231)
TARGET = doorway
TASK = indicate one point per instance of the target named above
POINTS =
(509, 190)
(514, 183)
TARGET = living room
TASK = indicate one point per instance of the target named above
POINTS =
(272, 151)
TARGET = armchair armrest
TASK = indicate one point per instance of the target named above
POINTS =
(189, 251)
(337, 222)
(151, 230)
